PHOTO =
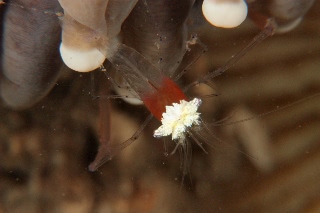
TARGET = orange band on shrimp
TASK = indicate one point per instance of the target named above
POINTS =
(166, 95)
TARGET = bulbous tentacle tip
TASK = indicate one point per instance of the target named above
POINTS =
(81, 60)
(225, 13)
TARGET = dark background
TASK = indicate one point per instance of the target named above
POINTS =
(45, 151)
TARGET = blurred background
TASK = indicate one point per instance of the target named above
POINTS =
(267, 164)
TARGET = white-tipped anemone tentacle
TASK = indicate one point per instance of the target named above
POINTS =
(81, 60)
(178, 118)
(225, 13)
(90, 30)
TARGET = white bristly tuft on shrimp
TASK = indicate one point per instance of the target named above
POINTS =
(178, 117)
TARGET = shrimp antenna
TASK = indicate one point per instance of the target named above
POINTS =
(268, 30)
(270, 112)
(221, 141)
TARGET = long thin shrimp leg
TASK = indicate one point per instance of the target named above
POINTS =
(106, 152)
(269, 30)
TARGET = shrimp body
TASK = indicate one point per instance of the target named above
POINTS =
(165, 100)
(159, 93)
